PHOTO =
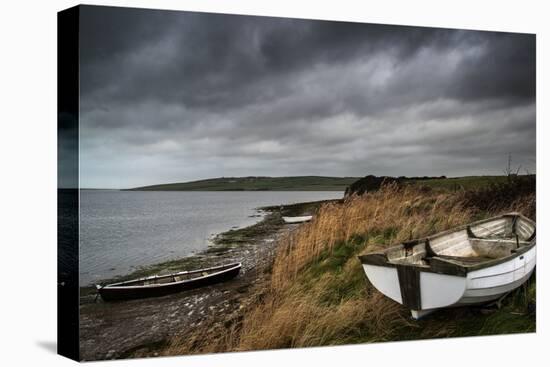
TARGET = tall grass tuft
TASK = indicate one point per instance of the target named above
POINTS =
(394, 213)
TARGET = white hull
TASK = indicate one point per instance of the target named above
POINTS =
(441, 291)
(302, 219)
(437, 290)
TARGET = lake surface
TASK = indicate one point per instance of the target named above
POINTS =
(122, 230)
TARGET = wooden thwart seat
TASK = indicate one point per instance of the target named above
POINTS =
(465, 260)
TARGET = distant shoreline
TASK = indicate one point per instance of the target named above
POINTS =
(300, 183)
(255, 183)
(297, 183)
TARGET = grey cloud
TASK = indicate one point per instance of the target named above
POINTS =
(184, 96)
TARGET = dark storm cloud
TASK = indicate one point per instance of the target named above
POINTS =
(174, 96)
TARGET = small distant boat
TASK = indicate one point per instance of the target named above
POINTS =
(160, 285)
(472, 264)
(305, 218)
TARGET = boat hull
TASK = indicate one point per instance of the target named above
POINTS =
(126, 293)
(302, 219)
(491, 283)
(471, 264)
(442, 290)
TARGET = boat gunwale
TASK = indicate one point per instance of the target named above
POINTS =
(447, 266)
(120, 286)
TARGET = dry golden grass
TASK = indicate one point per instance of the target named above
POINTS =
(296, 316)
(403, 213)
(318, 294)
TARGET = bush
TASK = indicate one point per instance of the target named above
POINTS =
(517, 193)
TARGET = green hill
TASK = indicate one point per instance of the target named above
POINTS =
(254, 183)
(314, 183)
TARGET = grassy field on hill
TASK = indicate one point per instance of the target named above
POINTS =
(298, 183)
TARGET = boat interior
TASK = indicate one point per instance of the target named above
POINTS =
(469, 245)
(175, 277)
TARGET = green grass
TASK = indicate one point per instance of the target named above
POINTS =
(343, 284)
(334, 260)
(298, 183)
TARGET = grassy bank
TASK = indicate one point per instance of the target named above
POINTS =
(318, 294)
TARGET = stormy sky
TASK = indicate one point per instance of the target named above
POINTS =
(178, 96)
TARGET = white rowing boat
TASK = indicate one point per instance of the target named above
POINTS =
(305, 218)
(472, 264)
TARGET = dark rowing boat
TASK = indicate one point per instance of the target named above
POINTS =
(160, 285)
